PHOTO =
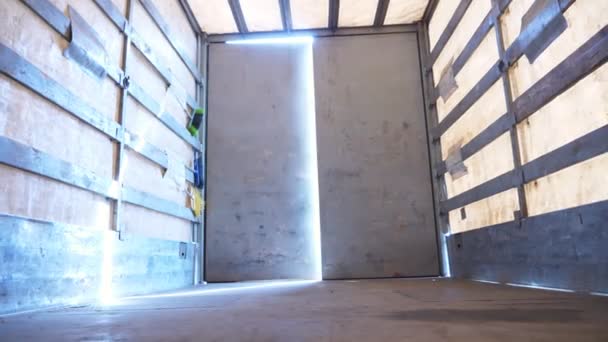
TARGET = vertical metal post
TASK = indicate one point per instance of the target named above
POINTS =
(122, 117)
(205, 102)
(195, 225)
(506, 82)
(199, 227)
(431, 118)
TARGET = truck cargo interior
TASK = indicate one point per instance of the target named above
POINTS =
(303, 170)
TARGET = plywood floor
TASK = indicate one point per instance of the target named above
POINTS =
(366, 310)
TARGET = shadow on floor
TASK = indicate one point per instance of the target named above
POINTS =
(486, 315)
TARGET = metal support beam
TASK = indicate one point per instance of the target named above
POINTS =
(22, 71)
(586, 147)
(286, 15)
(480, 33)
(121, 119)
(171, 38)
(49, 13)
(514, 136)
(237, 14)
(196, 28)
(57, 20)
(449, 30)
(429, 11)
(470, 98)
(575, 67)
(334, 14)
(205, 64)
(582, 62)
(339, 32)
(17, 155)
(114, 14)
(381, 10)
(438, 184)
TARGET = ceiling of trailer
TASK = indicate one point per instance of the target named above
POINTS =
(218, 16)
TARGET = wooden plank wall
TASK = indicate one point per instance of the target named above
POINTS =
(580, 109)
(141, 174)
(31, 120)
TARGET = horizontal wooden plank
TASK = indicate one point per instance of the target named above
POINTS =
(113, 13)
(581, 63)
(449, 29)
(49, 13)
(586, 147)
(472, 96)
(22, 71)
(17, 155)
(28, 75)
(494, 186)
(491, 133)
(175, 43)
(118, 76)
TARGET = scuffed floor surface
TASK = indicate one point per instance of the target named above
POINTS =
(366, 310)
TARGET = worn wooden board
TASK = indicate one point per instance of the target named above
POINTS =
(29, 195)
(108, 33)
(141, 221)
(143, 123)
(174, 16)
(357, 13)
(29, 119)
(143, 73)
(479, 116)
(492, 161)
(262, 15)
(480, 62)
(144, 175)
(441, 17)
(43, 47)
(576, 112)
(404, 11)
(579, 110)
(146, 27)
(488, 211)
(461, 36)
(214, 16)
(579, 184)
(585, 18)
(307, 14)
(34, 121)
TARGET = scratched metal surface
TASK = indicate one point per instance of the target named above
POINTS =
(563, 249)
(259, 222)
(374, 178)
(45, 264)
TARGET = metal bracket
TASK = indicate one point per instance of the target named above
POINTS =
(125, 81)
(454, 163)
(183, 250)
(518, 217)
(86, 47)
(447, 84)
(541, 25)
